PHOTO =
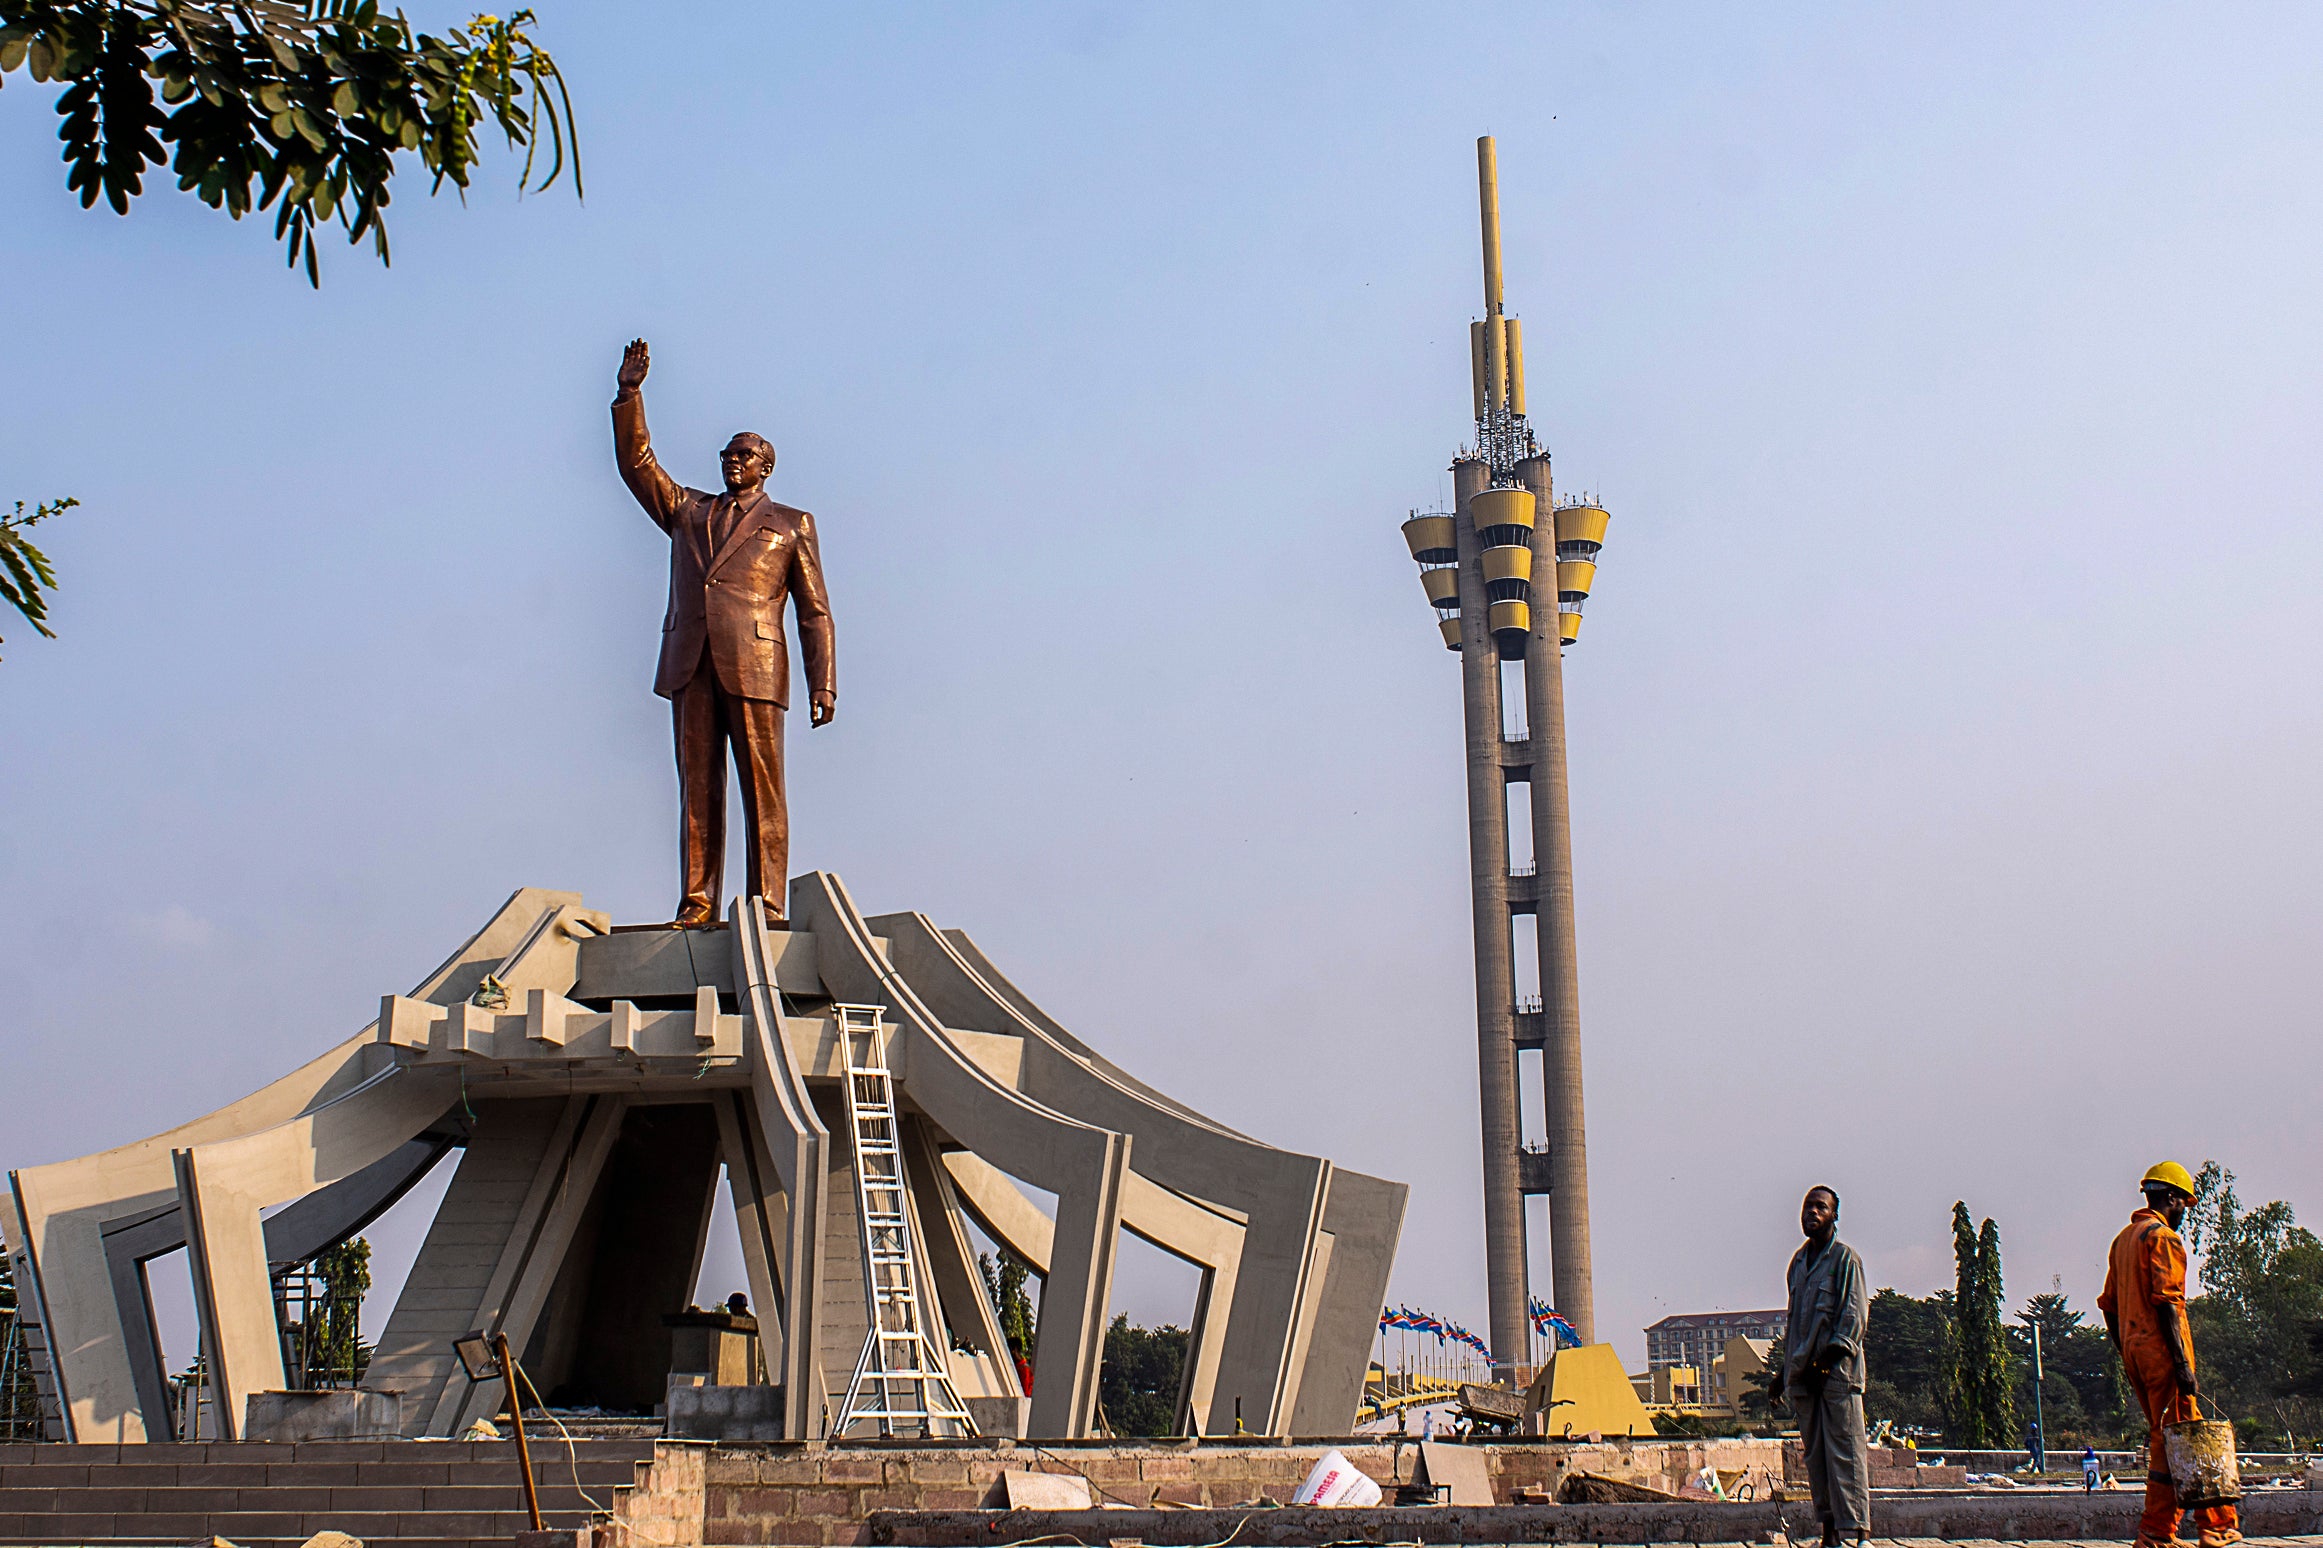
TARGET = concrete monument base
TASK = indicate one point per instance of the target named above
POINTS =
(596, 1084)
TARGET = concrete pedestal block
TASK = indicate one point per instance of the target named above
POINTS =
(996, 1416)
(720, 1345)
(724, 1413)
(341, 1414)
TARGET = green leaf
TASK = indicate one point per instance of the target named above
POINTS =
(12, 53)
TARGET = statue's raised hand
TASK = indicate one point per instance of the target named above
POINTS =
(636, 360)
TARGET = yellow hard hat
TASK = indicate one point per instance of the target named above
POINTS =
(2171, 1173)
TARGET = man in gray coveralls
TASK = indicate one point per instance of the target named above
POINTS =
(1823, 1370)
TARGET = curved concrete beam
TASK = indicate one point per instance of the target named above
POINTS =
(60, 1210)
(1150, 1212)
(1082, 1164)
(1001, 985)
(1279, 1192)
(223, 1185)
(1363, 1219)
(798, 1147)
(959, 1289)
(293, 1235)
(1001, 1210)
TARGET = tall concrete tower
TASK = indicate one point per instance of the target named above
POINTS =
(1490, 578)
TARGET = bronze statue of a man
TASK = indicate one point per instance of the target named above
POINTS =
(734, 558)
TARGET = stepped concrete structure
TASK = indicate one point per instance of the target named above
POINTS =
(387, 1494)
(595, 1082)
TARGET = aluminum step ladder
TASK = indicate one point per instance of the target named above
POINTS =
(900, 1381)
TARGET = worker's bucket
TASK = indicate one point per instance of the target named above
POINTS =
(2203, 1467)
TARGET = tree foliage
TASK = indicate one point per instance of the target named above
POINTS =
(1139, 1378)
(301, 109)
(1004, 1283)
(1912, 1353)
(2258, 1325)
(1907, 1353)
(336, 1337)
(2082, 1395)
(324, 1344)
(1757, 1398)
(25, 573)
(1981, 1390)
(2258, 1339)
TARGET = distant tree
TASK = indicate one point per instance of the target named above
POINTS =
(1004, 1283)
(2258, 1325)
(24, 569)
(301, 108)
(1981, 1391)
(1139, 1379)
(1757, 1399)
(1907, 1350)
(2062, 1412)
(335, 1345)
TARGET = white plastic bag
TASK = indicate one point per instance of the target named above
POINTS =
(1337, 1482)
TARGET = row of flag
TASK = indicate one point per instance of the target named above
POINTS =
(1444, 1329)
(1547, 1320)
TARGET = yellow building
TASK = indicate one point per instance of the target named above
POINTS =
(1681, 1388)
(1731, 1372)
(1669, 1386)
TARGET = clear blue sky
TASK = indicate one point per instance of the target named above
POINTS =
(1943, 737)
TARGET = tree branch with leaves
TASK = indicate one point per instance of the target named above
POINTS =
(301, 109)
(25, 573)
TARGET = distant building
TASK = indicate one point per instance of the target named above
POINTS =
(1699, 1338)
(1669, 1386)
(1719, 1390)
(1731, 1372)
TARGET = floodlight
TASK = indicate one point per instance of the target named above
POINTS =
(476, 1356)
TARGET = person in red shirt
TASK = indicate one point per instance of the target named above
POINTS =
(2144, 1303)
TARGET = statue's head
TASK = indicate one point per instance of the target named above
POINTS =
(746, 461)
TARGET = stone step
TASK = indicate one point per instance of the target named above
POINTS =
(276, 1498)
(353, 1475)
(390, 1494)
(251, 1527)
(273, 1453)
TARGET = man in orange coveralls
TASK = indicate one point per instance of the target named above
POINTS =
(2145, 1314)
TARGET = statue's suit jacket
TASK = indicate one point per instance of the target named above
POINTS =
(731, 599)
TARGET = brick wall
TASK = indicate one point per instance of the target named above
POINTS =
(663, 1508)
(1892, 1467)
(816, 1494)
